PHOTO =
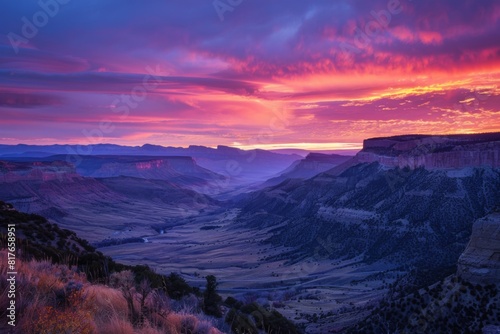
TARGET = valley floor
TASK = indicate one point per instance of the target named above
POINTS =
(321, 293)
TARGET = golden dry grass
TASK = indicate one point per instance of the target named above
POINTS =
(109, 302)
(57, 299)
(116, 326)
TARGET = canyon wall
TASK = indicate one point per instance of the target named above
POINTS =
(36, 171)
(433, 152)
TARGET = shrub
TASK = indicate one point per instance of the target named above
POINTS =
(125, 282)
(240, 323)
(110, 303)
(75, 317)
(176, 286)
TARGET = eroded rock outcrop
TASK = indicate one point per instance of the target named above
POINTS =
(33, 171)
(159, 168)
(433, 152)
(480, 262)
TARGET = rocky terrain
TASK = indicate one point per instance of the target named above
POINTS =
(412, 218)
(363, 201)
(405, 216)
(182, 171)
(451, 305)
(480, 262)
(433, 152)
(97, 209)
(465, 302)
(36, 171)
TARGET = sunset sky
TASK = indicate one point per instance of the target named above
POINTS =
(313, 74)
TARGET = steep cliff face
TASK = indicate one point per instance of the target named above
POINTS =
(419, 216)
(480, 262)
(433, 152)
(36, 171)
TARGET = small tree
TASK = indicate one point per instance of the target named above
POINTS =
(144, 289)
(211, 299)
(124, 281)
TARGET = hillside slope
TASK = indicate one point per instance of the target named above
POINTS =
(402, 215)
(63, 285)
(466, 302)
(396, 220)
(311, 165)
(97, 209)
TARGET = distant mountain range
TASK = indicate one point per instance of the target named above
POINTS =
(304, 153)
(240, 165)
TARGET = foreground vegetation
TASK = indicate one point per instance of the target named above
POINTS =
(65, 286)
(449, 306)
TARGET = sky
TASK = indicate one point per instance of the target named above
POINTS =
(317, 74)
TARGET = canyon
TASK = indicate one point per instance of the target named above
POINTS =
(323, 239)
